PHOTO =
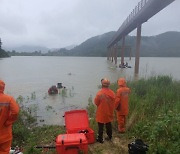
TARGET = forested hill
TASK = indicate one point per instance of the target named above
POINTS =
(95, 46)
(162, 45)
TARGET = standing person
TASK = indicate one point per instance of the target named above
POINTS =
(121, 104)
(8, 114)
(104, 101)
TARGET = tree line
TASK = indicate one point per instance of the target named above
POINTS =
(162, 45)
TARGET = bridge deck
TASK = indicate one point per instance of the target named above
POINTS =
(140, 14)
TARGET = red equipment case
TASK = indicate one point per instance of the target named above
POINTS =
(77, 121)
(71, 143)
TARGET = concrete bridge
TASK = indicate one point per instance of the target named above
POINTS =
(140, 14)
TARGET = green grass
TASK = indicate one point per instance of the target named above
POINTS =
(154, 106)
(154, 116)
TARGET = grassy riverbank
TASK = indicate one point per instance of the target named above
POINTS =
(154, 113)
(154, 117)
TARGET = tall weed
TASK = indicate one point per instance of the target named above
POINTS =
(155, 104)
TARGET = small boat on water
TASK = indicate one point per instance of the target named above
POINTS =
(124, 65)
(59, 85)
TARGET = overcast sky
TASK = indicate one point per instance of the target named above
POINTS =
(60, 23)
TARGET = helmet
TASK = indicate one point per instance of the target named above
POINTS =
(122, 82)
(2, 86)
(105, 82)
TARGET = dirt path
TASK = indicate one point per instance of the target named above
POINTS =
(119, 145)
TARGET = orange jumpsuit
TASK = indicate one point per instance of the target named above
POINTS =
(121, 104)
(105, 105)
(8, 114)
(104, 115)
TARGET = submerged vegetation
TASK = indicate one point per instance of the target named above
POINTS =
(154, 117)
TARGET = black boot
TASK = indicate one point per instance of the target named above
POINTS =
(100, 140)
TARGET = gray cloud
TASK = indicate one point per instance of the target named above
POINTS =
(59, 23)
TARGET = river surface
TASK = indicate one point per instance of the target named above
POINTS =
(31, 77)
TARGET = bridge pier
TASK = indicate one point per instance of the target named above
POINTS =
(112, 54)
(115, 54)
(138, 43)
(122, 51)
(108, 54)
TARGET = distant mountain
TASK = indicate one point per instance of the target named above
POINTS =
(168, 44)
(95, 46)
(162, 45)
(28, 48)
(66, 48)
(70, 47)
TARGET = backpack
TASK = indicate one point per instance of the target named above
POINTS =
(137, 147)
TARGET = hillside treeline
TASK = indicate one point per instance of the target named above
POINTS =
(162, 45)
(3, 53)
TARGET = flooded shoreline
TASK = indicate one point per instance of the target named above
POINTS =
(31, 77)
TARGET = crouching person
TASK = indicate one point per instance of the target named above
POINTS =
(121, 104)
(8, 114)
(104, 101)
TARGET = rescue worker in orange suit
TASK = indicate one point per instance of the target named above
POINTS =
(104, 101)
(121, 104)
(8, 114)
